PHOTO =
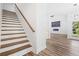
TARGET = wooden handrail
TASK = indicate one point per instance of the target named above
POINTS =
(25, 18)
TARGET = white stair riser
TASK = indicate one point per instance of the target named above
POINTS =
(5, 32)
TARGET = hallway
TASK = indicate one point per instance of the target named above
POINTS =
(26, 29)
(61, 46)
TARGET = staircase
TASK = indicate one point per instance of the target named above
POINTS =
(14, 41)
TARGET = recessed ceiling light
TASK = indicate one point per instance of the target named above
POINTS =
(52, 16)
(75, 4)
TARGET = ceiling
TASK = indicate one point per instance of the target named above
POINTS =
(61, 8)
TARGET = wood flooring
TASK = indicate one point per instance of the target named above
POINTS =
(59, 45)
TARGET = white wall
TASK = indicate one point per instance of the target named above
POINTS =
(8, 6)
(37, 17)
(62, 28)
(29, 11)
(42, 26)
(58, 11)
(65, 14)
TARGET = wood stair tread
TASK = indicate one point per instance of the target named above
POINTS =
(13, 33)
(11, 23)
(13, 26)
(10, 20)
(15, 50)
(12, 29)
(13, 38)
(14, 43)
(6, 18)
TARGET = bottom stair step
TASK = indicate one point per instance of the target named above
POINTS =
(15, 50)
(22, 52)
(29, 54)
